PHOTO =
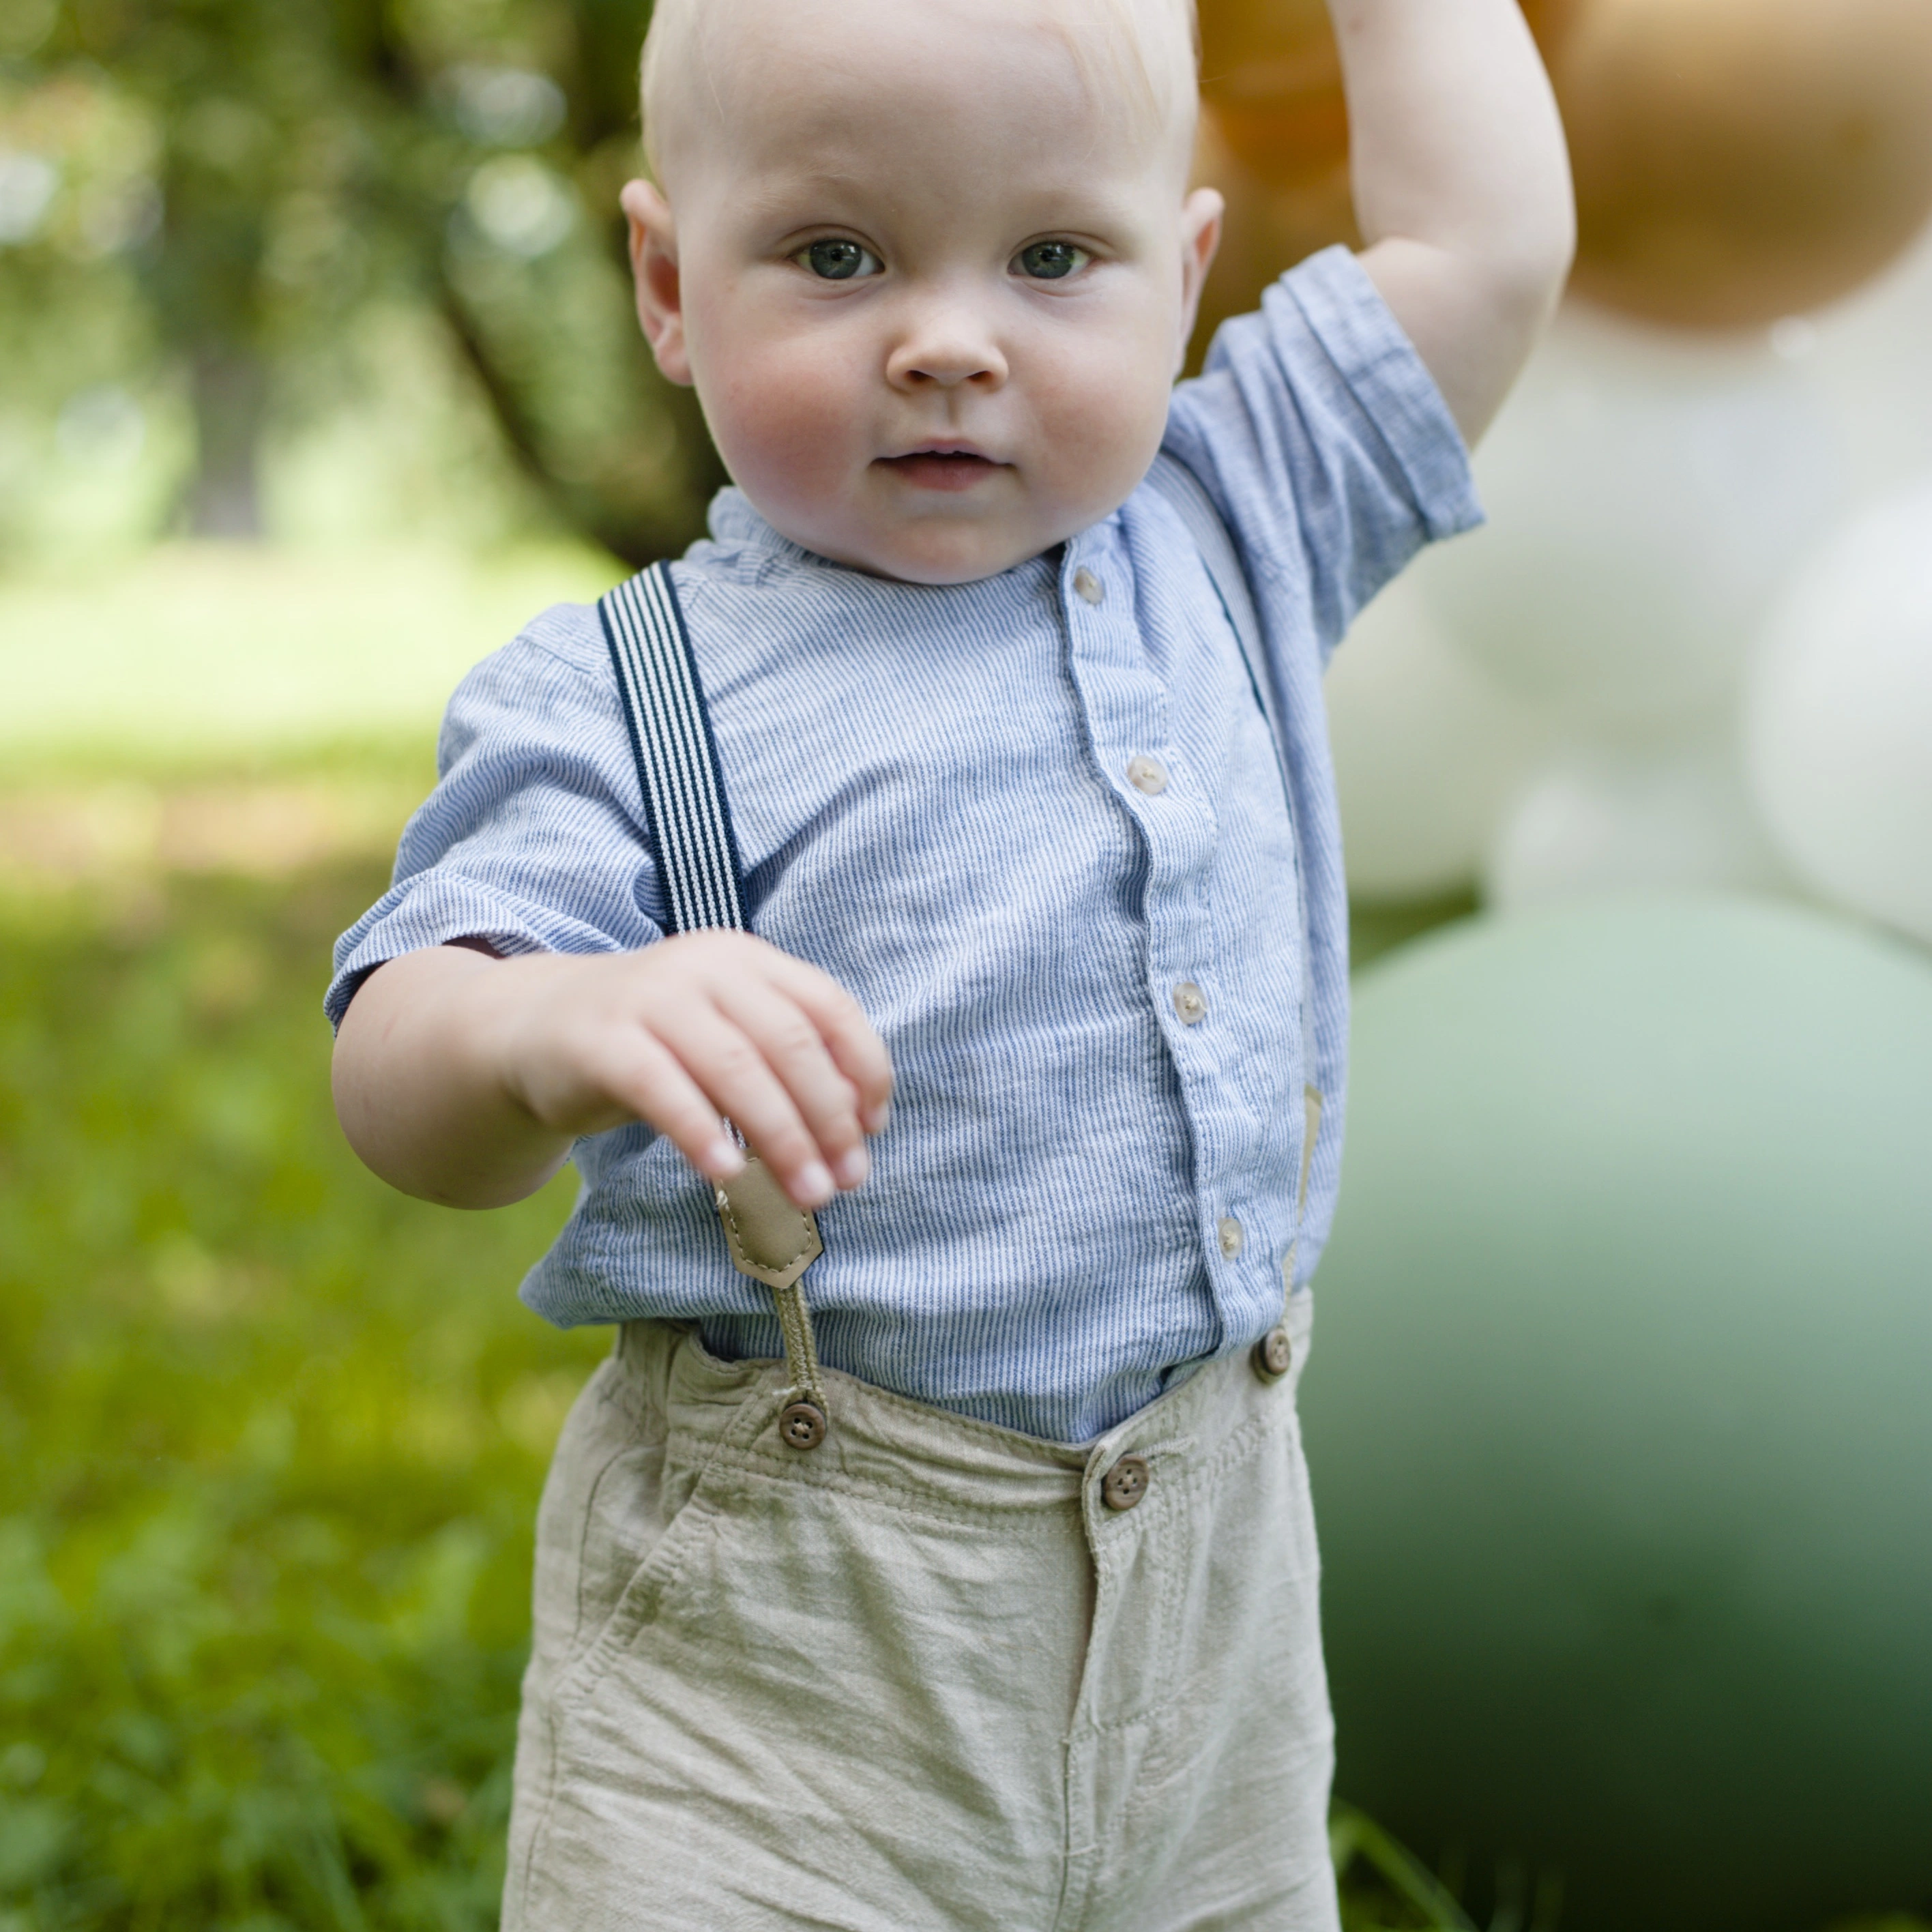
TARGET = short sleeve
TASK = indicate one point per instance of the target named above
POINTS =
(532, 837)
(1324, 441)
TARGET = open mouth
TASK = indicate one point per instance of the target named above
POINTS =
(943, 468)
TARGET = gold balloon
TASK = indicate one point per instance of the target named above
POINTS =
(1272, 80)
(1738, 161)
(1266, 229)
(1274, 139)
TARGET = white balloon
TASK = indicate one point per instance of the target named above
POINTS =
(1429, 749)
(1647, 491)
(1866, 360)
(1605, 821)
(1838, 716)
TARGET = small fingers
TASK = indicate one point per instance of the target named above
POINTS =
(849, 1037)
(794, 1049)
(729, 1065)
(665, 1096)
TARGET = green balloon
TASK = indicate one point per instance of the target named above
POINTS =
(1620, 1413)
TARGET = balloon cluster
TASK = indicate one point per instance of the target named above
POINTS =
(1622, 1461)
(1636, 1224)
(1736, 160)
(1694, 647)
(1660, 666)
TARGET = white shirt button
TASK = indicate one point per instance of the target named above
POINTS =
(1190, 1003)
(1089, 587)
(1147, 774)
(1232, 1237)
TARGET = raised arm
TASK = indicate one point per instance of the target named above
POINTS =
(1462, 185)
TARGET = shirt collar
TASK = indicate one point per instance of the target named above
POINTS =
(733, 520)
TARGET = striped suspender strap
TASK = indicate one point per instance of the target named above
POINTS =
(688, 824)
(690, 827)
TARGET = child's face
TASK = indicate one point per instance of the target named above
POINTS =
(932, 285)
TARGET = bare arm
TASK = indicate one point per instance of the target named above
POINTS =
(464, 1079)
(1462, 185)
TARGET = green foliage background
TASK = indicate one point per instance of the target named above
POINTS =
(225, 220)
(270, 1441)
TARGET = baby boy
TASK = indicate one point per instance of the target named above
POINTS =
(967, 1580)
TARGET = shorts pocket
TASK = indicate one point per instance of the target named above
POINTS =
(580, 1537)
(653, 1522)
(619, 1487)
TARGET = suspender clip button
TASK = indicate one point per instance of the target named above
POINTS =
(801, 1426)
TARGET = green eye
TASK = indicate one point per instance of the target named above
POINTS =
(1048, 261)
(837, 260)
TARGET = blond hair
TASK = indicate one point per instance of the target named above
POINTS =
(1148, 50)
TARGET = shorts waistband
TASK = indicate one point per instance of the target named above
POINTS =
(911, 1453)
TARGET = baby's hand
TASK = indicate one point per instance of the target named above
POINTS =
(463, 1078)
(707, 1024)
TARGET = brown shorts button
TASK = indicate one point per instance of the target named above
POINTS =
(802, 1426)
(1125, 1483)
(1274, 1354)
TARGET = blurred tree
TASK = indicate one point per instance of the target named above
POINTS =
(309, 158)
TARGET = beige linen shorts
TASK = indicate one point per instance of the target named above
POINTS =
(925, 1674)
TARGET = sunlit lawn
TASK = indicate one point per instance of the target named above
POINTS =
(271, 1437)
(238, 650)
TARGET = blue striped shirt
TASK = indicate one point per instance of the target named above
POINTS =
(1093, 990)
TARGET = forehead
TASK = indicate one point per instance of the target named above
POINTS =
(1060, 81)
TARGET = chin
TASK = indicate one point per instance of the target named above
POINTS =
(940, 571)
(958, 554)
(936, 551)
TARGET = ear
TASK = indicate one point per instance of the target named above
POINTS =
(1200, 236)
(654, 271)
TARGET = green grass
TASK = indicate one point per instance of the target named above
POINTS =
(226, 648)
(271, 1438)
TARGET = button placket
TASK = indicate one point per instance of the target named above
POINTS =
(1129, 706)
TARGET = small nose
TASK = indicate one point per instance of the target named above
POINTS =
(945, 346)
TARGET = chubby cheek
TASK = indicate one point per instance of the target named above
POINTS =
(1102, 415)
(784, 419)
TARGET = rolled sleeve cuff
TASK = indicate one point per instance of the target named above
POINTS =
(1332, 297)
(436, 910)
